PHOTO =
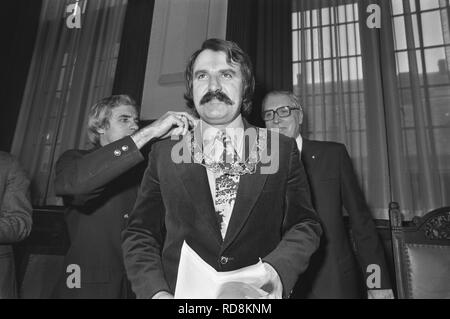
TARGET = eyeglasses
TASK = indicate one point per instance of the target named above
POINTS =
(282, 111)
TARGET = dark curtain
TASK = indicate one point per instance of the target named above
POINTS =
(19, 20)
(262, 28)
(132, 61)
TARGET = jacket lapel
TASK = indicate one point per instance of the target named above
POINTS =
(195, 181)
(250, 187)
(309, 155)
(249, 190)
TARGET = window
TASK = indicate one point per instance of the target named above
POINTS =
(328, 75)
(422, 53)
(335, 73)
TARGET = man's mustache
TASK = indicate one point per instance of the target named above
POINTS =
(218, 95)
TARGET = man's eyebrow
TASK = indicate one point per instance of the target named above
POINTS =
(127, 116)
(228, 70)
(232, 71)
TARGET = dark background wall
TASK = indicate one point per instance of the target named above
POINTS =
(132, 61)
(19, 20)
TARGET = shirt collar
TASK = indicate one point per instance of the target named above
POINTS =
(235, 130)
(299, 141)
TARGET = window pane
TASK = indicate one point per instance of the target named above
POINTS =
(412, 4)
(402, 62)
(432, 28)
(315, 18)
(327, 71)
(341, 13)
(349, 12)
(432, 58)
(307, 36)
(429, 4)
(399, 33)
(353, 70)
(360, 68)
(295, 72)
(295, 20)
(358, 40)
(351, 39)
(397, 7)
(295, 45)
(316, 66)
(343, 40)
(326, 42)
(307, 19)
(315, 43)
(344, 69)
(325, 16)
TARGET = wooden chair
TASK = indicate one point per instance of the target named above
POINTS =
(421, 254)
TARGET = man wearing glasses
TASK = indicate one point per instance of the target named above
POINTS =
(334, 185)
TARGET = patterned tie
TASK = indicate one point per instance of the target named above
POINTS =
(226, 187)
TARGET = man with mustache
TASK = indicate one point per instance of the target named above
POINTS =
(223, 204)
(99, 188)
(333, 271)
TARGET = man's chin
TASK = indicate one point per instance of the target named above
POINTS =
(218, 119)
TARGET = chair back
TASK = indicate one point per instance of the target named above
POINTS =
(421, 254)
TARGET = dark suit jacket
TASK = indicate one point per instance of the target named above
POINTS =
(99, 188)
(272, 218)
(15, 219)
(333, 272)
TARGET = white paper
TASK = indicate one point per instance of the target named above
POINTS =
(198, 280)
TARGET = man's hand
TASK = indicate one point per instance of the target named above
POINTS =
(171, 123)
(380, 294)
(162, 295)
(273, 286)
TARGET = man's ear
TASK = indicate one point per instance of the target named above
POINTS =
(101, 130)
(300, 118)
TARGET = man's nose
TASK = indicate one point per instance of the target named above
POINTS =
(214, 84)
(276, 118)
(134, 126)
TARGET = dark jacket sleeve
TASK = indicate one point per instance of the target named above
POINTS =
(301, 229)
(81, 176)
(16, 210)
(142, 240)
(368, 245)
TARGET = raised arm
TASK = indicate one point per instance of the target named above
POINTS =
(83, 175)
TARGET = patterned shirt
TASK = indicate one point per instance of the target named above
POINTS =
(223, 188)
